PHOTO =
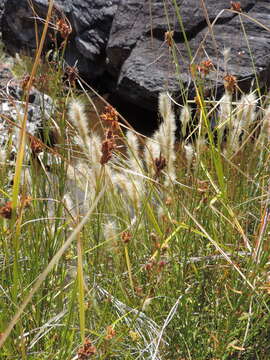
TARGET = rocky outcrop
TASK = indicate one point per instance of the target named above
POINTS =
(143, 62)
(122, 42)
(90, 20)
(12, 108)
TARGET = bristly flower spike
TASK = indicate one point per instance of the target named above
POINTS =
(225, 115)
(189, 152)
(165, 136)
(79, 119)
(133, 152)
(185, 117)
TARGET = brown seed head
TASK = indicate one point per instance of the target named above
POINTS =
(169, 38)
(6, 210)
(236, 6)
(160, 164)
(25, 81)
(35, 145)
(72, 73)
(26, 201)
(110, 333)
(205, 67)
(230, 83)
(86, 350)
(63, 27)
(126, 237)
(110, 115)
(108, 145)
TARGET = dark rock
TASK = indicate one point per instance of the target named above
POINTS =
(141, 60)
(90, 20)
(2, 4)
(140, 64)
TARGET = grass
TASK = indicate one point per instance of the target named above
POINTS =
(117, 246)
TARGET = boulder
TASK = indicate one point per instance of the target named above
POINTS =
(90, 20)
(143, 62)
(121, 43)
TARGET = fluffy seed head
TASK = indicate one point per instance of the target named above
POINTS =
(165, 136)
(77, 115)
(164, 104)
(225, 114)
(189, 152)
(185, 118)
(133, 152)
(246, 110)
(226, 55)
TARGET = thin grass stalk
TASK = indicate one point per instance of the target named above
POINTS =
(20, 157)
(179, 18)
(263, 227)
(173, 47)
(167, 321)
(228, 208)
(218, 248)
(251, 56)
(128, 267)
(48, 269)
(81, 286)
(21, 151)
(215, 153)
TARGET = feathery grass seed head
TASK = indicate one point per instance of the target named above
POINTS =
(246, 109)
(79, 119)
(185, 117)
(165, 136)
(134, 160)
(189, 153)
(164, 105)
(225, 114)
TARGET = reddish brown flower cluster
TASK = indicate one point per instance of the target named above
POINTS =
(126, 237)
(201, 69)
(108, 145)
(110, 116)
(26, 201)
(110, 333)
(205, 67)
(169, 38)
(25, 81)
(230, 83)
(86, 350)
(71, 73)
(236, 6)
(154, 265)
(160, 164)
(6, 210)
(35, 145)
(197, 101)
(64, 28)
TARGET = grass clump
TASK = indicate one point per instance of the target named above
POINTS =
(117, 246)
